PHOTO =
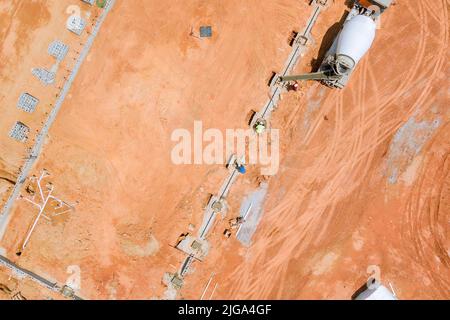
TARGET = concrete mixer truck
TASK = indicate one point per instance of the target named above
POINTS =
(350, 45)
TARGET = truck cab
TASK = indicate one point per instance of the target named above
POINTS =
(375, 5)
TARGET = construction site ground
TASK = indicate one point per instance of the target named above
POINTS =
(364, 178)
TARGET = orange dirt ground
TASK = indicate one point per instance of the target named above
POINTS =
(26, 30)
(352, 190)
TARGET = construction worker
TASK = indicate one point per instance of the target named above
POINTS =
(260, 126)
(241, 168)
(236, 222)
(227, 233)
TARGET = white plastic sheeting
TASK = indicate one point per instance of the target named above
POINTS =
(356, 37)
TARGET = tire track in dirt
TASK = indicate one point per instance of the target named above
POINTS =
(404, 87)
(316, 124)
(310, 224)
(337, 130)
(423, 208)
(358, 167)
(436, 65)
(411, 75)
(423, 219)
(362, 106)
(369, 130)
(334, 167)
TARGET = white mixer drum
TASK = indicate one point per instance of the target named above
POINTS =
(356, 37)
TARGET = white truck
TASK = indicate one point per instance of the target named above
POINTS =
(349, 46)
